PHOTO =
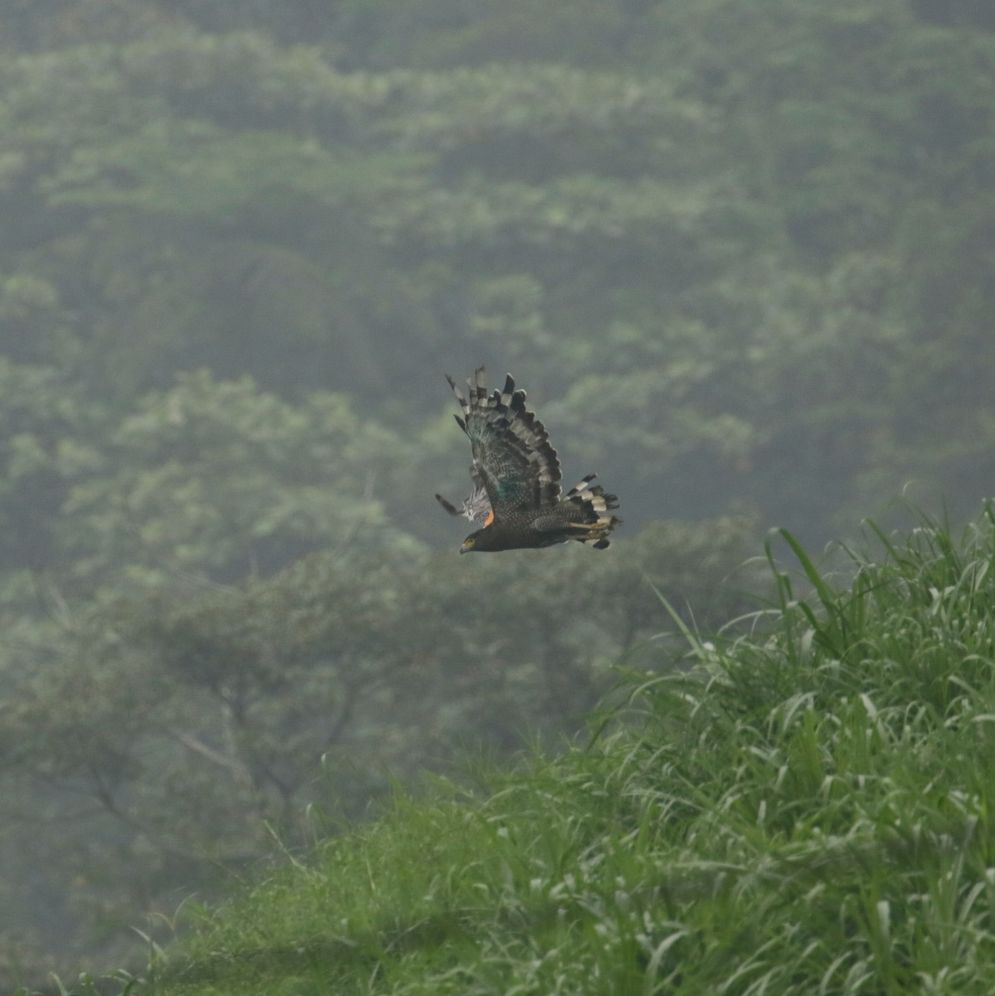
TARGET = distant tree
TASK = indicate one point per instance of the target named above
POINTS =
(219, 480)
(44, 447)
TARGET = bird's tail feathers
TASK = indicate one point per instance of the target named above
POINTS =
(590, 508)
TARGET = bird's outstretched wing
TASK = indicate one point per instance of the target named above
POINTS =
(512, 457)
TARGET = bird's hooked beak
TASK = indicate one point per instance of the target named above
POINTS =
(468, 544)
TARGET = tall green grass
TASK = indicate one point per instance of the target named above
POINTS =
(805, 807)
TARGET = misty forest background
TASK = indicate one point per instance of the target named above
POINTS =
(741, 256)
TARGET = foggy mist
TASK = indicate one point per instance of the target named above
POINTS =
(739, 255)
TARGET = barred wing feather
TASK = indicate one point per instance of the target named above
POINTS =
(512, 457)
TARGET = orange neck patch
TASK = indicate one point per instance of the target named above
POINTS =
(489, 519)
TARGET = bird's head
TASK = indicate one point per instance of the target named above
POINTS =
(482, 540)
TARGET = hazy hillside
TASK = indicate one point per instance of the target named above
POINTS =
(739, 254)
(804, 809)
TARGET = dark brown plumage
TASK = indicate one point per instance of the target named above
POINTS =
(516, 478)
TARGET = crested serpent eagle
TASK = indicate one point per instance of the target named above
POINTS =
(516, 478)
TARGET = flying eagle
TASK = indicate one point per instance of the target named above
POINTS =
(516, 478)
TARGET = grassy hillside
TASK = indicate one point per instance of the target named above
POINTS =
(807, 809)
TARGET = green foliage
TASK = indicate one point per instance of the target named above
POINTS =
(221, 480)
(755, 230)
(802, 809)
(177, 724)
(740, 255)
(41, 451)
